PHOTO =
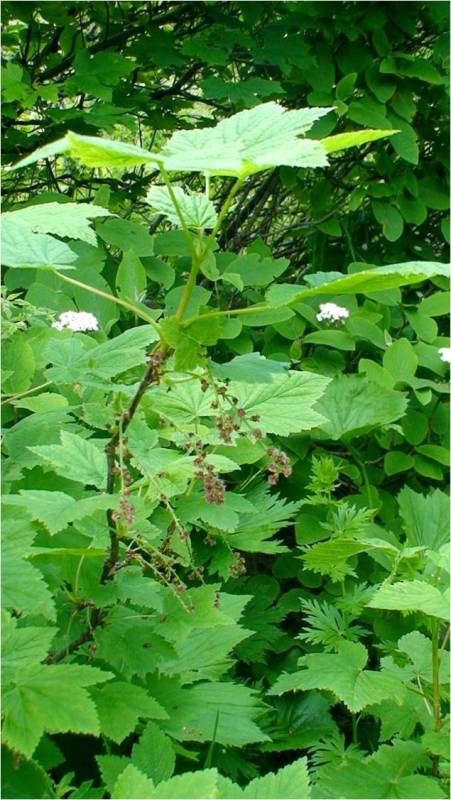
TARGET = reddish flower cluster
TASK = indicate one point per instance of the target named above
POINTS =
(213, 487)
(280, 465)
(238, 567)
(126, 511)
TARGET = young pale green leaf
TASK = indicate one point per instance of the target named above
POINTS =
(56, 509)
(49, 698)
(341, 141)
(345, 675)
(23, 248)
(196, 209)
(133, 784)
(92, 151)
(368, 280)
(62, 219)
(412, 596)
(248, 142)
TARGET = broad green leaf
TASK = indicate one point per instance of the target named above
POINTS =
(331, 557)
(248, 142)
(291, 781)
(390, 219)
(131, 278)
(194, 710)
(22, 647)
(255, 270)
(56, 509)
(196, 209)
(341, 141)
(426, 518)
(386, 773)
(24, 778)
(154, 753)
(287, 405)
(133, 785)
(22, 248)
(412, 596)
(49, 698)
(369, 280)
(353, 405)
(76, 458)
(62, 219)
(345, 675)
(120, 705)
(127, 235)
(17, 358)
(23, 587)
(249, 368)
(401, 361)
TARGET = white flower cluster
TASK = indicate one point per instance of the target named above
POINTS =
(332, 312)
(445, 354)
(76, 321)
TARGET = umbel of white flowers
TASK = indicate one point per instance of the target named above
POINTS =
(332, 312)
(445, 354)
(76, 321)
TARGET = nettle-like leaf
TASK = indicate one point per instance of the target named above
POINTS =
(55, 510)
(52, 698)
(23, 587)
(426, 518)
(345, 675)
(196, 209)
(154, 753)
(129, 702)
(62, 219)
(76, 458)
(412, 596)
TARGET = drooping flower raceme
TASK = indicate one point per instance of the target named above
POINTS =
(445, 354)
(76, 321)
(332, 312)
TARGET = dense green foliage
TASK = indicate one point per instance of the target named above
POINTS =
(225, 411)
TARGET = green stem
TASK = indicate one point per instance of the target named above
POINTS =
(227, 203)
(188, 289)
(12, 397)
(117, 300)
(212, 314)
(436, 676)
(178, 211)
(361, 465)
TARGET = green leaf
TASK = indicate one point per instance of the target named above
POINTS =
(255, 270)
(120, 705)
(133, 785)
(196, 209)
(154, 753)
(55, 509)
(248, 142)
(341, 141)
(401, 361)
(249, 368)
(17, 358)
(76, 458)
(194, 710)
(22, 647)
(366, 281)
(38, 701)
(92, 152)
(126, 235)
(131, 278)
(338, 339)
(345, 675)
(23, 587)
(426, 518)
(390, 219)
(396, 461)
(291, 781)
(62, 219)
(412, 596)
(22, 248)
(287, 405)
(25, 778)
(353, 405)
